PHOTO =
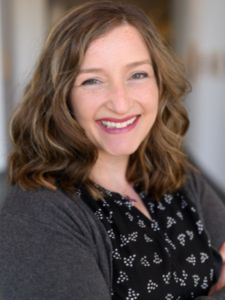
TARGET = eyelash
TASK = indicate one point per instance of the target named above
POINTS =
(141, 75)
(90, 81)
(136, 76)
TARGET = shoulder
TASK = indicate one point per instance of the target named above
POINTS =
(38, 204)
(51, 239)
(195, 182)
(53, 209)
(199, 190)
(210, 207)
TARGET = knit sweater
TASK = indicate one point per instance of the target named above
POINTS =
(53, 246)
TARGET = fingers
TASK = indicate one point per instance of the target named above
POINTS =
(222, 252)
(221, 281)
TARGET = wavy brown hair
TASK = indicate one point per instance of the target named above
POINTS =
(50, 149)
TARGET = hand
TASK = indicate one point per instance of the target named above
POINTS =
(221, 281)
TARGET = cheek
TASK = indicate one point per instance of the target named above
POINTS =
(150, 96)
(84, 108)
(79, 104)
(78, 108)
(86, 102)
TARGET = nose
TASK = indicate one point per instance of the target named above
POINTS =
(119, 100)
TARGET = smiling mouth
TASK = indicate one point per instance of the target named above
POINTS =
(110, 124)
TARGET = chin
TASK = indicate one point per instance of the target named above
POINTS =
(126, 151)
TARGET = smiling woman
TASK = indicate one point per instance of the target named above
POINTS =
(117, 103)
(65, 67)
(102, 195)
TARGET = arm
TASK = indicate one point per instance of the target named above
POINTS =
(221, 282)
(212, 212)
(42, 262)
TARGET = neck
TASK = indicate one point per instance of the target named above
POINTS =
(110, 172)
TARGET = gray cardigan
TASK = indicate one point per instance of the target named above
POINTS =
(54, 247)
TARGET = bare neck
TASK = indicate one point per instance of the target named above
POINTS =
(110, 172)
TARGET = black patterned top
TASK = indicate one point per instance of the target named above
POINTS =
(169, 257)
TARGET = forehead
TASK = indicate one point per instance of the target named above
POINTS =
(122, 42)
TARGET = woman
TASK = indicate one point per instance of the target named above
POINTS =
(103, 203)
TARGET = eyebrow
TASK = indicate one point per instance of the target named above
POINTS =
(130, 65)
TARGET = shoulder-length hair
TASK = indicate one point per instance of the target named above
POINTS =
(50, 149)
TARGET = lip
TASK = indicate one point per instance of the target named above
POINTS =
(114, 120)
(118, 130)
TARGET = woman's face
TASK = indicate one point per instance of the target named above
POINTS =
(115, 95)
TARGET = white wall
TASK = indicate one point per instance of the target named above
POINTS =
(29, 18)
(2, 102)
(23, 25)
(200, 39)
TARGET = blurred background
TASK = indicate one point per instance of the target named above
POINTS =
(194, 28)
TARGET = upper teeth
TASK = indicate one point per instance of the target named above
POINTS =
(118, 125)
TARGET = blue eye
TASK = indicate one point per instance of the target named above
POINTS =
(139, 75)
(91, 81)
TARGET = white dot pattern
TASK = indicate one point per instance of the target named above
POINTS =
(169, 257)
